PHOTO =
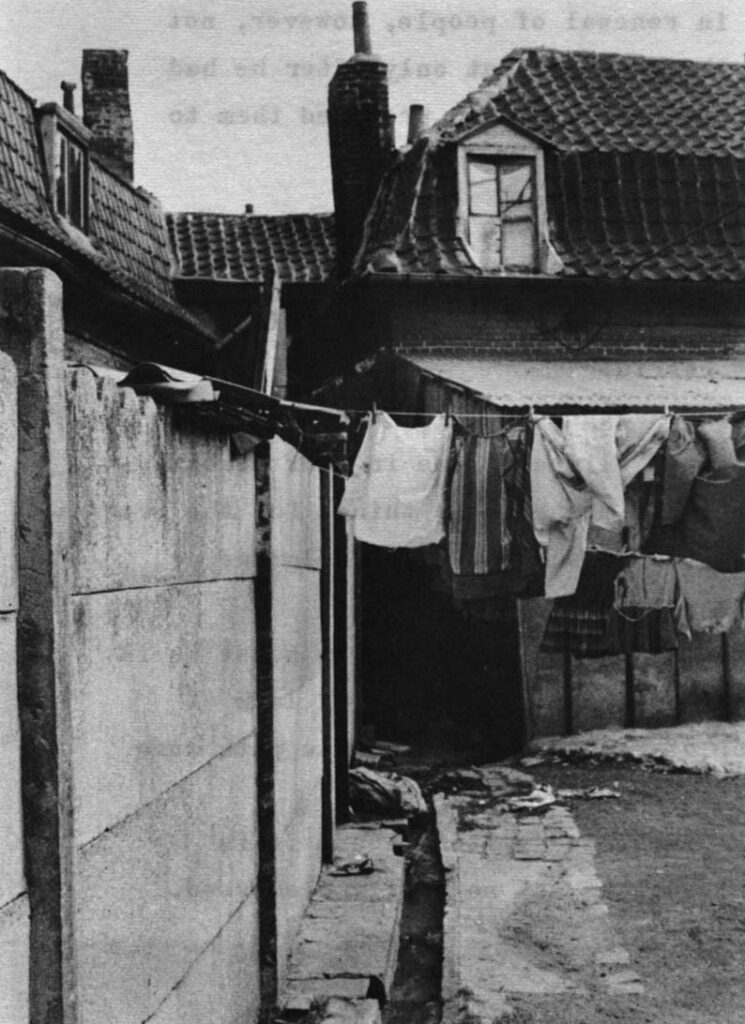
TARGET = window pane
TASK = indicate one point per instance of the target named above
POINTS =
(515, 184)
(76, 186)
(62, 178)
(518, 244)
(482, 187)
(484, 236)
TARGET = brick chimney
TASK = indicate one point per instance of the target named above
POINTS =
(359, 137)
(106, 109)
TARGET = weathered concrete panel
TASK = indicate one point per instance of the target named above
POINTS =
(598, 686)
(654, 689)
(701, 679)
(165, 680)
(155, 891)
(296, 507)
(8, 484)
(153, 500)
(14, 942)
(12, 881)
(737, 662)
(298, 753)
(222, 987)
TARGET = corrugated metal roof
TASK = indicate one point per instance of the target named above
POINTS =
(711, 384)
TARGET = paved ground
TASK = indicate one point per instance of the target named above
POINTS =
(712, 747)
(524, 913)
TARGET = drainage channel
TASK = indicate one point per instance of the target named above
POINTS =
(415, 996)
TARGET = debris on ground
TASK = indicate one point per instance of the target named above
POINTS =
(538, 800)
(361, 864)
(709, 748)
(593, 793)
(384, 793)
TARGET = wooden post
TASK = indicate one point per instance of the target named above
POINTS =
(267, 882)
(630, 717)
(342, 639)
(328, 798)
(676, 685)
(568, 695)
(727, 678)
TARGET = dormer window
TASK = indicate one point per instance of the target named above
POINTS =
(71, 181)
(66, 156)
(502, 211)
(502, 200)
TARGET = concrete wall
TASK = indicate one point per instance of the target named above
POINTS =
(162, 714)
(298, 729)
(14, 910)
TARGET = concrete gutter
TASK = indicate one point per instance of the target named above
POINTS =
(346, 952)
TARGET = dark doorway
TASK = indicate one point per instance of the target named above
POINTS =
(432, 675)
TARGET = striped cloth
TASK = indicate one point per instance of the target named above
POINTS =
(479, 535)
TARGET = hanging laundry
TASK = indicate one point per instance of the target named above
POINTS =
(566, 498)
(396, 493)
(713, 525)
(579, 623)
(647, 612)
(684, 459)
(713, 600)
(479, 538)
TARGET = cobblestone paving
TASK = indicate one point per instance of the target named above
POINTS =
(524, 911)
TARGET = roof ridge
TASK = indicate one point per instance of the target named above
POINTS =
(21, 91)
(520, 51)
(245, 216)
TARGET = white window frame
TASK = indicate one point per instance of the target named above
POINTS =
(499, 141)
(60, 128)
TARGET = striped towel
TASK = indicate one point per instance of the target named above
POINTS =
(479, 535)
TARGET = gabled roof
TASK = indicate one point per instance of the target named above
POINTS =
(126, 241)
(299, 247)
(645, 169)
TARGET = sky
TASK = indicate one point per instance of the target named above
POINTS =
(229, 96)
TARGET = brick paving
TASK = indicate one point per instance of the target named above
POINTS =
(524, 912)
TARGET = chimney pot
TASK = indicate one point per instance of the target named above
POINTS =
(361, 27)
(249, 208)
(416, 122)
(68, 100)
(392, 131)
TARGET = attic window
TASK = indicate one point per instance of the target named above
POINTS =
(66, 143)
(502, 213)
(71, 181)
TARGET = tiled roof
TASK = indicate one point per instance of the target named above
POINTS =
(707, 385)
(247, 247)
(645, 169)
(580, 101)
(127, 239)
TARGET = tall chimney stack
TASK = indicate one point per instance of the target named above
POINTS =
(106, 108)
(359, 137)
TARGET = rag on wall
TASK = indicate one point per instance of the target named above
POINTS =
(396, 494)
